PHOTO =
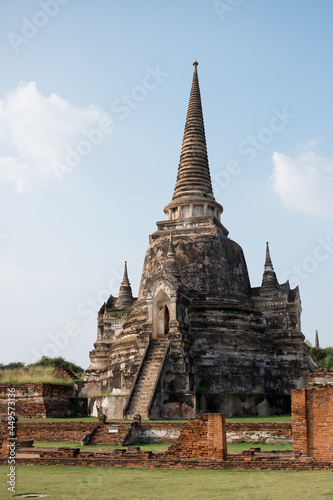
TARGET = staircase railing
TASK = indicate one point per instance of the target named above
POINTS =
(135, 380)
(158, 378)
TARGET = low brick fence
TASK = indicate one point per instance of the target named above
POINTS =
(259, 432)
(67, 432)
(156, 432)
(147, 432)
(74, 432)
(136, 458)
(200, 445)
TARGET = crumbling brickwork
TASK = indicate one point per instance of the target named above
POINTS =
(312, 417)
(136, 458)
(38, 400)
(146, 432)
(204, 436)
(74, 432)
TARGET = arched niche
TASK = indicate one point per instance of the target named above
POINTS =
(161, 314)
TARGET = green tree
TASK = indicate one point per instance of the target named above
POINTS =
(59, 363)
(324, 356)
(15, 365)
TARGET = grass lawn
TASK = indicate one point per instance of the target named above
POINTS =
(232, 448)
(32, 375)
(143, 446)
(84, 483)
(239, 447)
(274, 418)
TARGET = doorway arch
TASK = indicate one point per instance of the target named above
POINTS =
(161, 315)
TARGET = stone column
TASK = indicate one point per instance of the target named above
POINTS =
(150, 310)
(173, 309)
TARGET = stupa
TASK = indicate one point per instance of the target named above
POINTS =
(197, 338)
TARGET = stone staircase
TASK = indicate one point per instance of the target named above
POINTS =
(147, 379)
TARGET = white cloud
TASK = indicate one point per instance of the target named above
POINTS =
(304, 183)
(14, 170)
(40, 129)
(307, 145)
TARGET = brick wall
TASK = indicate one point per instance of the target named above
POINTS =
(281, 429)
(67, 432)
(147, 432)
(38, 400)
(253, 432)
(204, 437)
(104, 436)
(156, 432)
(299, 422)
(73, 432)
(312, 418)
(319, 406)
(134, 457)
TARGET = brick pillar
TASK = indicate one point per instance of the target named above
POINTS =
(299, 422)
(216, 432)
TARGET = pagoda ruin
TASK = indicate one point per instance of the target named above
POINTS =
(197, 338)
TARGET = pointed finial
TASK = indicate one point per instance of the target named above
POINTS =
(268, 260)
(269, 279)
(125, 297)
(195, 64)
(125, 277)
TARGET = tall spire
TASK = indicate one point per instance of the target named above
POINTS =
(193, 194)
(193, 172)
(269, 279)
(125, 297)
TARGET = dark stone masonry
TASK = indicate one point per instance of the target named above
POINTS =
(198, 338)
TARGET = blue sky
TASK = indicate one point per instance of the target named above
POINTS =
(93, 99)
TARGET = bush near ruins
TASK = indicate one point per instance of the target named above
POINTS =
(59, 363)
(41, 372)
(324, 356)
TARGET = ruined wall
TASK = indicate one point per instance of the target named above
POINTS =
(204, 436)
(259, 432)
(38, 400)
(63, 432)
(149, 432)
(312, 417)
(72, 432)
(156, 432)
